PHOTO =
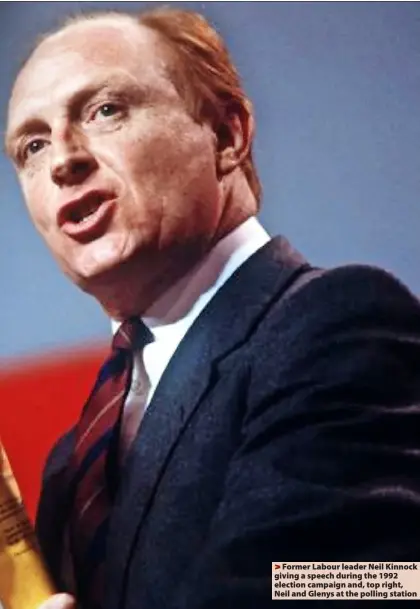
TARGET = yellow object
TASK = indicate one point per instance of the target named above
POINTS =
(24, 581)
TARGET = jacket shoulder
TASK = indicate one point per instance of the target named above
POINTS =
(345, 290)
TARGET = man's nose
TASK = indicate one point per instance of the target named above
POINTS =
(72, 162)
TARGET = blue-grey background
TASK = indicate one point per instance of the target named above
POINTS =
(336, 88)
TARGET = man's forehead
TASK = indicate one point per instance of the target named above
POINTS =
(66, 59)
(107, 40)
(96, 35)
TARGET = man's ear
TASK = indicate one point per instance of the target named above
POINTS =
(234, 138)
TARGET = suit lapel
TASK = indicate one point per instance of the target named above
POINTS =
(217, 331)
(52, 508)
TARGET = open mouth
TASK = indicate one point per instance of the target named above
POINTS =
(80, 213)
(88, 216)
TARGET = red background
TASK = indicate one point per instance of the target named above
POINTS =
(39, 400)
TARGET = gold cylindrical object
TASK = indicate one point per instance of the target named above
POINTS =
(24, 580)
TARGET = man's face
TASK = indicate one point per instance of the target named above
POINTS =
(112, 166)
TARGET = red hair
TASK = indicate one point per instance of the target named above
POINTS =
(203, 72)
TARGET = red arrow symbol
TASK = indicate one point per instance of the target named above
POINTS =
(277, 566)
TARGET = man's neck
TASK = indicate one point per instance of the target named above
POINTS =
(190, 294)
(139, 284)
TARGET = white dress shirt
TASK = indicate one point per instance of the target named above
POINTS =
(172, 315)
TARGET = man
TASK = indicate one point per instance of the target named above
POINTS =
(273, 408)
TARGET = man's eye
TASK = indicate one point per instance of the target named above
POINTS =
(33, 147)
(107, 110)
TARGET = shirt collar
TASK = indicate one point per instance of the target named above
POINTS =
(173, 314)
(175, 311)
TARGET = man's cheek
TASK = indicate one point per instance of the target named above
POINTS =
(42, 219)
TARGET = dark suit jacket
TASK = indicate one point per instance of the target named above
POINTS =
(285, 428)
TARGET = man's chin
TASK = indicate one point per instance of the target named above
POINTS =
(119, 286)
(97, 274)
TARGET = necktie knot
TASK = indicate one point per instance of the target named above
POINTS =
(131, 334)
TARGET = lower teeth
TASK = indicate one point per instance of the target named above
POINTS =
(88, 216)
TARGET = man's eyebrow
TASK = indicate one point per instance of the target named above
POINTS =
(31, 125)
(74, 102)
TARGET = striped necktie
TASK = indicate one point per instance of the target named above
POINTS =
(94, 462)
